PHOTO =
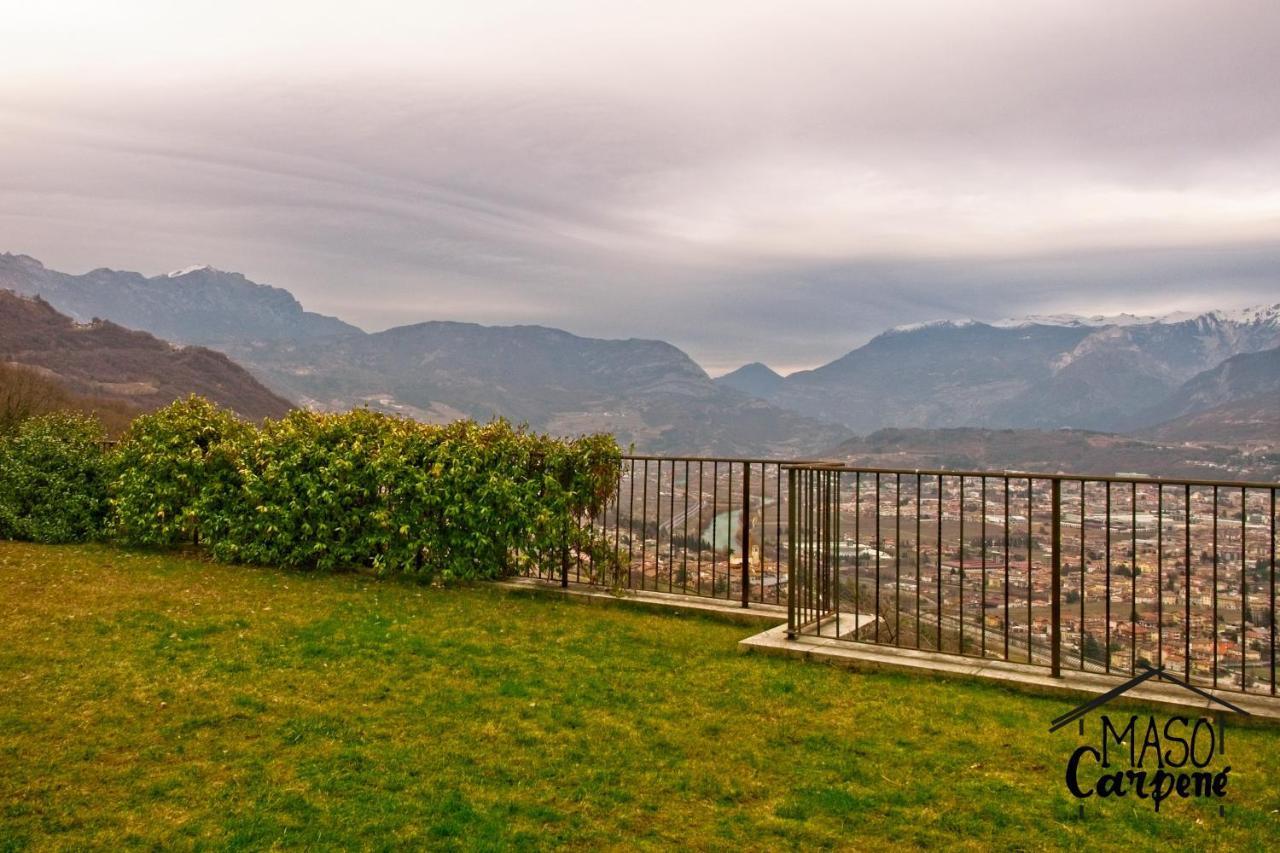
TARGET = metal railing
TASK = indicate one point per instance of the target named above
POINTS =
(677, 524)
(1098, 574)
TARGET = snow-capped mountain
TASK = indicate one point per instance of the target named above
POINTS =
(1100, 372)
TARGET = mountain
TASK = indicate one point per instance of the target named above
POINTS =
(949, 373)
(196, 305)
(1236, 378)
(755, 379)
(1249, 422)
(1117, 373)
(104, 361)
(1035, 373)
(1054, 451)
(646, 392)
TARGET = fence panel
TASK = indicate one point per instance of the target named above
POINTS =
(1097, 574)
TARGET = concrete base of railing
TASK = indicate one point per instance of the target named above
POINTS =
(1023, 677)
(757, 615)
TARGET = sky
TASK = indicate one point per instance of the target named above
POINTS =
(750, 181)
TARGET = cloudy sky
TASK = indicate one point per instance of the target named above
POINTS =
(773, 181)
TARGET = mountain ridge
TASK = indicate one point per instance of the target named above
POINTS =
(1115, 373)
(103, 360)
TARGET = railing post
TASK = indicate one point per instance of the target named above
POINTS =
(791, 553)
(564, 565)
(1055, 604)
(745, 525)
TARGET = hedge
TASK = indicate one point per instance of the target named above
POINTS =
(330, 491)
(53, 479)
(176, 471)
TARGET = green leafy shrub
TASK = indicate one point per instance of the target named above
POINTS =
(177, 472)
(310, 495)
(322, 491)
(53, 479)
(461, 501)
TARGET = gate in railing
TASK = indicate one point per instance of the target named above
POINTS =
(1099, 574)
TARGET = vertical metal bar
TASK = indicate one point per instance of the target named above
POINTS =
(684, 565)
(728, 536)
(564, 565)
(939, 562)
(1133, 579)
(657, 529)
(878, 546)
(857, 542)
(917, 572)
(671, 529)
(1083, 567)
(745, 524)
(764, 529)
(791, 551)
(820, 517)
(1055, 603)
(577, 558)
(1215, 586)
(982, 605)
(835, 539)
(1031, 488)
(1272, 580)
(1159, 575)
(617, 524)
(777, 532)
(1186, 560)
(961, 564)
(1107, 528)
(810, 545)
(702, 498)
(1244, 584)
(897, 560)
(715, 517)
(1006, 568)
(644, 526)
(631, 526)
(815, 544)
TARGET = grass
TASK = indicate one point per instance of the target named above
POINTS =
(153, 700)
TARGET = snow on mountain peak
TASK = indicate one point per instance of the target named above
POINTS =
(931, 324)
(191, 269)
(1252, 315)
(1076, 320)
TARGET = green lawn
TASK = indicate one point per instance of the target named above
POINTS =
(155, 700)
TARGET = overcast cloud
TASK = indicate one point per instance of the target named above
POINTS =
(772, 181)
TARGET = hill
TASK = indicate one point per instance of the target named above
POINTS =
(105, 361)
(1250, 422)
(26, 393)
(756, 379)
(1053, 451)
